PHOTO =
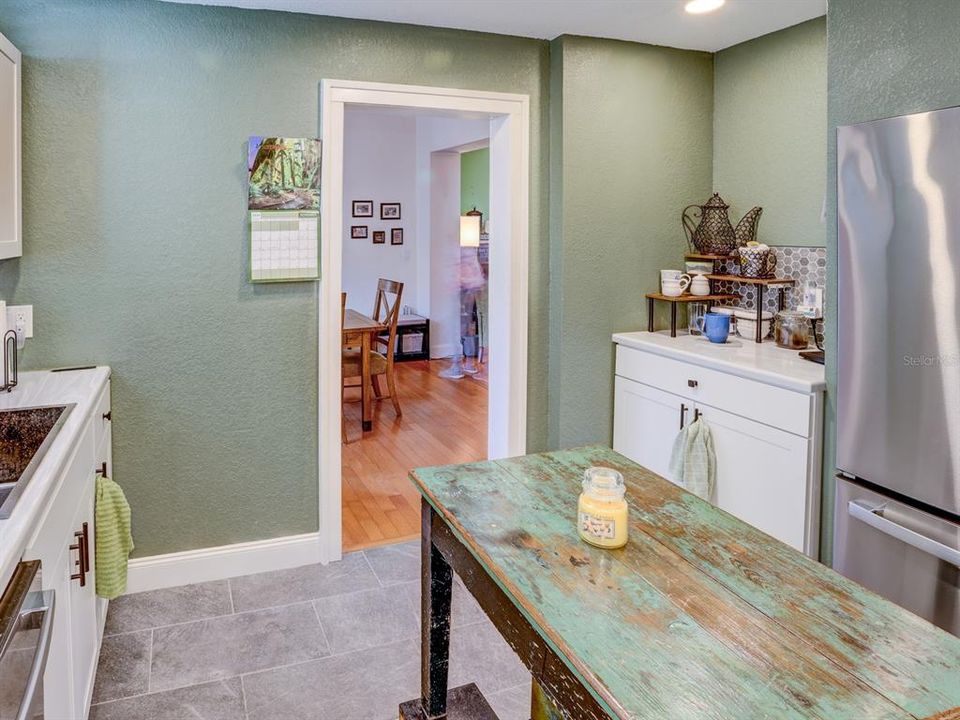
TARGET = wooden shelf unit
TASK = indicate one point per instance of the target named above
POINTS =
(652, 299)
(690, 297)
(780, 284)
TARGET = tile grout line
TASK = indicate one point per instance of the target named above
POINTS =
(160, 692)
(233, 607)
(150, 662)
(328, 657)
(242, 612)
(323, 632)
(370, 565)
(243, 699)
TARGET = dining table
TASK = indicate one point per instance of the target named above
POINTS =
(699, 617)
(356, 325)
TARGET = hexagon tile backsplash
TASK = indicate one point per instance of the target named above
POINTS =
(802, 264)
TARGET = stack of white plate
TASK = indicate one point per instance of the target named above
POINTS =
(747, 323)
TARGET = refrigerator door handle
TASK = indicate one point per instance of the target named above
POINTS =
(872, 515)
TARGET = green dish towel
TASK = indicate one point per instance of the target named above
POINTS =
(113, 538)
(693, 462)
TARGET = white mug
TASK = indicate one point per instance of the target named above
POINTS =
(674, 288)
(670, 275)
(700, 285)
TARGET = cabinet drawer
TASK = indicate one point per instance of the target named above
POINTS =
(785, 409)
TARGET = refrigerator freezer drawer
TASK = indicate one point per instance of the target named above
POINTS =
(906, 555)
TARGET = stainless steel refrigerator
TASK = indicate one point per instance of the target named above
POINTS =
(897, 522)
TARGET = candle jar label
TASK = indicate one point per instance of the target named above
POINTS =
(597, 527)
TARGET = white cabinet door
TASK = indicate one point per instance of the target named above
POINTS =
(646, 422)
(84, 628)
(761, 475)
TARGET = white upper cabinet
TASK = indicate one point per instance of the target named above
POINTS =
(11, 244)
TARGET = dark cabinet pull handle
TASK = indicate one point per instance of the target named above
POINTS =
(82, 546)
(692, 383)
(78, 546)
(86, 548)
(102, 470)
(108, 415)
(683, 414)
(696, 414)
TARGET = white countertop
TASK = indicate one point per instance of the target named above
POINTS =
(757, 361)
(81, 387)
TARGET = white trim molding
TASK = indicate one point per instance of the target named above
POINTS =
(218, 563)
(509, 117)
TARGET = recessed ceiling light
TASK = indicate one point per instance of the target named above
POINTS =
(698, 7)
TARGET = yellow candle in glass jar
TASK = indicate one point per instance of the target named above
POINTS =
(602, 509)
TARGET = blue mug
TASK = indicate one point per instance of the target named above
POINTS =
(715, 326)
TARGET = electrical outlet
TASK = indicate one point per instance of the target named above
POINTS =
(20, 313)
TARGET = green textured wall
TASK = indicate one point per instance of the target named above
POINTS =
(885, 58)
(136, 116)
(633, 130)
(770, 128)
(475, 181)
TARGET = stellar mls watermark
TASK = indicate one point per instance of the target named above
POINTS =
(940, 361)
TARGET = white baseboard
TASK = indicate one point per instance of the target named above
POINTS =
(218, 563)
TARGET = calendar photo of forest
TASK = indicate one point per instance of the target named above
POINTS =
(284, 173)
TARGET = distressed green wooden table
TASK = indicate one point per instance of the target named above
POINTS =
(700, 616)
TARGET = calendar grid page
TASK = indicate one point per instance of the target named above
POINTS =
(284, 245)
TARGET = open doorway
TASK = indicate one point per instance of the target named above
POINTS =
(415, 267)
(442, 118)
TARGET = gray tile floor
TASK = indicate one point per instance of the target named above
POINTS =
(336, 642)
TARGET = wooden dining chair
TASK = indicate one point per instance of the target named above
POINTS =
(386, 310)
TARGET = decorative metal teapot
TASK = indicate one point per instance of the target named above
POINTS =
(714, 235)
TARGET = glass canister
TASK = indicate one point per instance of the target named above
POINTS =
(602, 509)
(791, 330)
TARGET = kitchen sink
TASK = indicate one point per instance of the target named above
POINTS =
(25, 436)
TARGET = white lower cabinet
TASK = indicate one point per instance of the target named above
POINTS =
(768, 474)
(65, 544)
(645, 422)
(762, 475)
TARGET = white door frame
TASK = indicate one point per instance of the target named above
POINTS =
(509, 260)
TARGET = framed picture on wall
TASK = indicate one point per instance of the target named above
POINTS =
(358, 231)
(389, 211)
(396, 236)
(363, 208)
(379, 237)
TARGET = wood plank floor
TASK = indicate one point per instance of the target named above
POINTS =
(444, 421)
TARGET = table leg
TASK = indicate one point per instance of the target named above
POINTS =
(650, 307)
(365, 390)
(673, 319)
(436, 587)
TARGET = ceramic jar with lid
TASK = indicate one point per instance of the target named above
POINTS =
(791, 330)
(602, 509)
(699, 285)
